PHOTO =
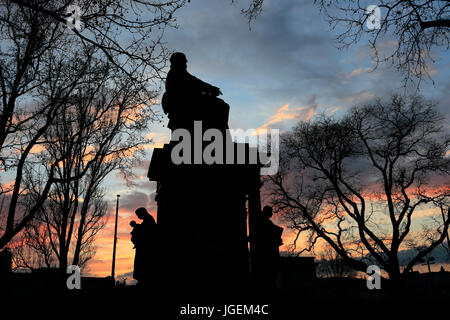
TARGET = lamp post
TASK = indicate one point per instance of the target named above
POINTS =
(115, 240)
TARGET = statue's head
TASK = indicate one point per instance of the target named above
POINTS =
(267, 211)
(178, 61)
(141, 213)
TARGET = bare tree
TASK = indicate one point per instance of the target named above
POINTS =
(446, 244)
(128, 33)
(360, 183)
(331, 264)
(413, 27)
(32, 250)
(28, 123)
(43, 64)
(98, 132)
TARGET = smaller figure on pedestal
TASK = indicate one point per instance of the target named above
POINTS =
(145, 239)
(267, 255)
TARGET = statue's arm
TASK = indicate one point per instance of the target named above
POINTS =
(204, 86)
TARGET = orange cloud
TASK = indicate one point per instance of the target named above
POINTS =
(158, 140)
(357, 72)
(286, 113)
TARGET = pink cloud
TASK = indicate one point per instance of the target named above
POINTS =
(289, 113)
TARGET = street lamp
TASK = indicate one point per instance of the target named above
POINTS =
(115, 240)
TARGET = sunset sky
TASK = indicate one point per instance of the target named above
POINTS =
(284, 69)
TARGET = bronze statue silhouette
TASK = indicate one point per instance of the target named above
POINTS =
(135, 232)
(188, 98)
(201, 208)
(267, 242)
(145, 239)
(181, 83)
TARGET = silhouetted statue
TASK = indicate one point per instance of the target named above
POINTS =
(181, 83)
(144, 237)
(188, 98)
(267, 242)
(210, 233)
(134, 232)
(5, 261)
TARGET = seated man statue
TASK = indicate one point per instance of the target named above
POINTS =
(188, 98)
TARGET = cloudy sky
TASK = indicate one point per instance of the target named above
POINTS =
(284, 69)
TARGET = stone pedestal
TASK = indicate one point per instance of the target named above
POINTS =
(202, 216)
